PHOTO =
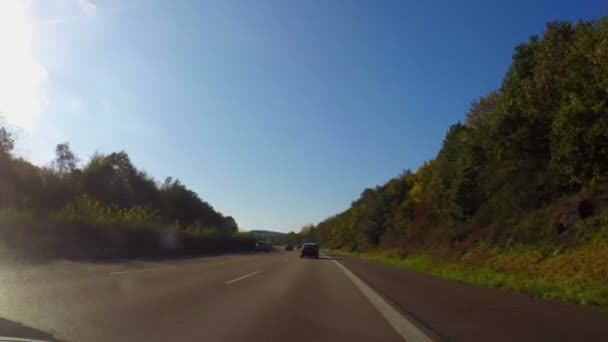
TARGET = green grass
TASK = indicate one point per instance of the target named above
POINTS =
(575, 271)
(571, 290)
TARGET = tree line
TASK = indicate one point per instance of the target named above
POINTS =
(542, 135)
(112, 179)
(106, 206)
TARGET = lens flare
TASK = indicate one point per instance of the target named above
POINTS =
(22, 95)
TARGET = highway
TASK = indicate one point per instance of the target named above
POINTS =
(270, 297)
(261, 297)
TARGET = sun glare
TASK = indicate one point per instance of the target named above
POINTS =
(21, 77)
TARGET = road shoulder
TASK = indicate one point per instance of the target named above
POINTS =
(459, 312)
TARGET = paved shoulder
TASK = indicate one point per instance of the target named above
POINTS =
(461, 312)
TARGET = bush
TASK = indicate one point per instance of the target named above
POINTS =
(92, 231)
(88, 209)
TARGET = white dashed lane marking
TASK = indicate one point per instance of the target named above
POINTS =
(243, 277)
(134, 271)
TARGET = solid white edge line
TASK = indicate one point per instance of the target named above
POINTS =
(402, 325)
(243, 277)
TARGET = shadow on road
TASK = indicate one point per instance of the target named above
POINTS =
(9, 329)
(7, 259)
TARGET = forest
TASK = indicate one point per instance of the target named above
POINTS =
(527, 162)
(106, 208)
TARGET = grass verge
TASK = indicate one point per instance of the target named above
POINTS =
(550, 287)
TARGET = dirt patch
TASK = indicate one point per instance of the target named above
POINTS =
(571, 213)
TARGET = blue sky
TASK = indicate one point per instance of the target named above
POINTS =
(276, 112)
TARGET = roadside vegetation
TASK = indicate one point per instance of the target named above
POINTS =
(517, 197)
(528, 270)
(107, 208)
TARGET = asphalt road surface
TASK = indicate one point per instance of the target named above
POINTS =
(260, 297)
(269, 297)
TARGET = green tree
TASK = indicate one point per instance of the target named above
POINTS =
(65, 160)
(544, 133)
(7, 142)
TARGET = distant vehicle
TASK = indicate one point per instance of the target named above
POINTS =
(262, 246)
(289, 247)
(310, 249)
(299, 246)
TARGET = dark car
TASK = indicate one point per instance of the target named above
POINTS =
(310, 249)
(262, 246)
(289, 247)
